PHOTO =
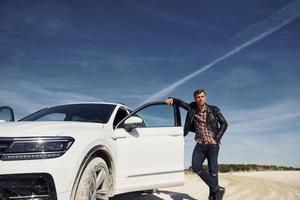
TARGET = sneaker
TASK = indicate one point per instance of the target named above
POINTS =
(220, 193)
(211, 197)
(211, 194)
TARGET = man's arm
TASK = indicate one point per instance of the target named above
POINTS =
(178, 102)
(223, 124)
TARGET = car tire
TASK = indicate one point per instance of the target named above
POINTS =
(94, 182)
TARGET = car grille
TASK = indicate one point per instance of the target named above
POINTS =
(4, 144)
(38, 186)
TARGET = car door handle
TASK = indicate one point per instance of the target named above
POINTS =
(175, 134)
(119, 137)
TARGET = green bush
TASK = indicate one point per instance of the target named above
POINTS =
(224, 168)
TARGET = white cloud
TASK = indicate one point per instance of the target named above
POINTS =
(43, 17)
(169, 13)
(277, 116)
(238, 77)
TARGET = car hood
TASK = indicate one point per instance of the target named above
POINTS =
(33, 129)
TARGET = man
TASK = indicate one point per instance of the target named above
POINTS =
(209, 126)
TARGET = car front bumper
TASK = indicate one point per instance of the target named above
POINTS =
(53, 178)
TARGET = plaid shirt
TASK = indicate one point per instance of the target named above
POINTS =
(203, 135)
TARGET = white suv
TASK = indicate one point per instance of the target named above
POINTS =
(88, 151)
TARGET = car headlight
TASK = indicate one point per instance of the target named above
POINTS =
(36, 148)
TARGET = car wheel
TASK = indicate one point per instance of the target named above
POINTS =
(94, 182)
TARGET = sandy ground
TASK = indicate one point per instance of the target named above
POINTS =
(281, 185)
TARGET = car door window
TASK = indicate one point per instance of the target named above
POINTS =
(160, 115)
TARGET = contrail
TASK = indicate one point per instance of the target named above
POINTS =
(252, 35)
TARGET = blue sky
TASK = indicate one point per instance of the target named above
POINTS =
(54, 52)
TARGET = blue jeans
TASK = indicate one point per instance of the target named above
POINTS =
(209, 152)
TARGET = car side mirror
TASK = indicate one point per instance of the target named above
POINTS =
(6, 114)
(132, 122)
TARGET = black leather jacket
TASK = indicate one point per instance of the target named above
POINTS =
(215, 121)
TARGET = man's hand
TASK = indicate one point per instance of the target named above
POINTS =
(169, 101)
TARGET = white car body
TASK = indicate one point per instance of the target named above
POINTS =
(141, 159)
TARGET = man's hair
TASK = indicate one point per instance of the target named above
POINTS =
(198, 92)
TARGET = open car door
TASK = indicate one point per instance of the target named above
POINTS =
(149, 147)
(6, 114)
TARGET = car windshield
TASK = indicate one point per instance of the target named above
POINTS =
(98, 113)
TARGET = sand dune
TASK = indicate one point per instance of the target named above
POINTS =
(280, 185)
